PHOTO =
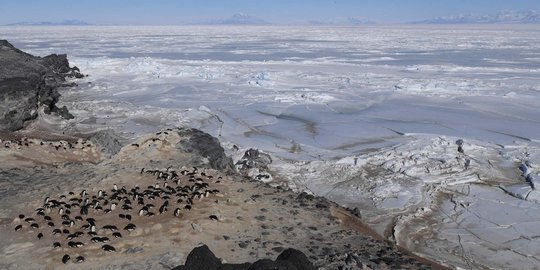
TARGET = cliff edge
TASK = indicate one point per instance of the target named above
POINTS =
(28, 83)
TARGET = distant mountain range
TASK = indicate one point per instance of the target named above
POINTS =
(506, 17)
(237, 19)
(343, 21)
(65, 22)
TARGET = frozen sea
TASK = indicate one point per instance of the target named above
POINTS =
(366, 116)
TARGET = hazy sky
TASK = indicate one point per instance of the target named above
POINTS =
(276, 11)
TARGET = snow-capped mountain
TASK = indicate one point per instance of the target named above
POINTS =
(239, 19)
(65, 22)
(343, 21)
(509, 17)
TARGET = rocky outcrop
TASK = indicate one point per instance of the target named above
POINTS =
(107, 141)
(204, 145)
(28, 83)
(202, 258)
(254, 164)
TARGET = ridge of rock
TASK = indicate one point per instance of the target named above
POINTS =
(30, 83)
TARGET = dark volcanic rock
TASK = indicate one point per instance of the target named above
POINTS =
(202, 258)
(296, 258)
(206, 146)
(28, 83)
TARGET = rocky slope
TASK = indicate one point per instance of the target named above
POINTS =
(29, 83)
(242, 221)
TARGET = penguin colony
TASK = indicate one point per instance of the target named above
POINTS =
(57, 145)
(76, 220)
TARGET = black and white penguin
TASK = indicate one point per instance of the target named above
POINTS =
(108, 248)
(66, 259)
(177, 212)
(79, 259)
(130, 227)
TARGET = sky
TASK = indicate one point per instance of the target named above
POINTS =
(152, 12)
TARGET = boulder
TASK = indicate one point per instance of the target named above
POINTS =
(296, 258)
(254, 164)
(202, 258)
(107, 141)
(204, 145)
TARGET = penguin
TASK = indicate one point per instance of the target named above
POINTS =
(50, 224)
(40, 235)
(29, 220)
(21, 216)
(84, 210)
(130, 227)
(108, 248)
(110, 227)
(79, 259)
(18, 228)
(177, 212)
(57, 245)
(104, 239)
(213, 217)
(162, 209)
(34, 226)
(117, 235)
(100, 193)
(115, 187)
(83, 193)
(57, 231)
(66, 259)
(46, 201)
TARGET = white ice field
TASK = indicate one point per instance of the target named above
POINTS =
(392, 99)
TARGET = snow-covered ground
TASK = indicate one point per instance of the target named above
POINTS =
(371, 117)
